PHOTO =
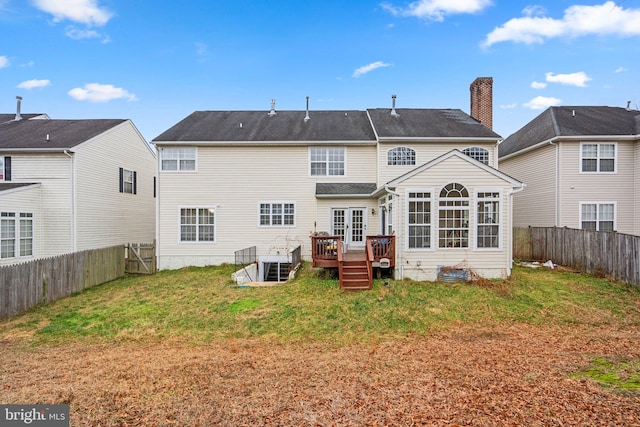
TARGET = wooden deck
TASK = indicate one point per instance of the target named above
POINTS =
(355, 266)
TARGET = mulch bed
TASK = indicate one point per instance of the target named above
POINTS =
(468, 376)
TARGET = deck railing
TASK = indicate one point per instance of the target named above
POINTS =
(383, 247)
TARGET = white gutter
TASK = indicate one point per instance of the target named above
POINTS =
(437, 139)
(399, 247)
(264, 143)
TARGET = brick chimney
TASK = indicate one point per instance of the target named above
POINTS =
(482, 100)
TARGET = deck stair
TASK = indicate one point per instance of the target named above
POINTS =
(355, 275)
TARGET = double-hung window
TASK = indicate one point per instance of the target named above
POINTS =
(597, 216)
(327, 161)
(277, 214)
(128, 182)
(197, 224)
(488, 219)
(419, 220)
(16, 235)
(598, 157)
(178, 159)
(453, 216)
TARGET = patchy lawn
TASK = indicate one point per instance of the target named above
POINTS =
(186, 348)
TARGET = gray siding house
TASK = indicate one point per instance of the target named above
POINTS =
(582, 169)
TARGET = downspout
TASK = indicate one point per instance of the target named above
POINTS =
(399, 247)
(557, 189)
(74, 242)
(158, 163)
(510, 228)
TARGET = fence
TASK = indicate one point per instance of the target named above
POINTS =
(140, 258)
(25, 285)
(615, 255)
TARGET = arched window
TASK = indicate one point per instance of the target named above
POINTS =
(401, 156)
(478, 153)
(453, 216)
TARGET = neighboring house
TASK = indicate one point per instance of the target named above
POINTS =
(229, 180)
(71, 185)
(582, 169)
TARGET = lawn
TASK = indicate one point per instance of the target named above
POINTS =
(188, 347)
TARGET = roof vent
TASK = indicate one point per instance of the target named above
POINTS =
(273, 108)
(628, 105)
(18, 102)
(393, 106)
(306, 117)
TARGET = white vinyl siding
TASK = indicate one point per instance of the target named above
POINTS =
(537, 169)
(103, 216)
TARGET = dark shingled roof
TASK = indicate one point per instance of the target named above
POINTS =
(4, 186)
(259, 126)
(338, 189)
(427, 123)
(561, 121)
(63, 134)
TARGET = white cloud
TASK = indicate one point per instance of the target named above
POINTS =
(509, 106)
(542, 102)
(96, 92)
(77, 34)
(368, 68)
(579, 79)
(621, 70)
(201, 49)
(534, 10)
(32, 84)
(605, 19)
(538, 85)
(436, 10)
(4, 61)
(83, 11)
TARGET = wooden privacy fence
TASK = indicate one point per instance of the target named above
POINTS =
(25, 285)
(140, 258)
(615, 255)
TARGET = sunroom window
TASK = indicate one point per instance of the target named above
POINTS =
(453, 217)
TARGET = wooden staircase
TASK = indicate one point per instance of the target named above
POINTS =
(354, 275)
(355, 269)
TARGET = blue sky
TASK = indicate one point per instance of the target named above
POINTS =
(156, 61)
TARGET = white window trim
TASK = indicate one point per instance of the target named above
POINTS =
(198, 242)
(272, 202)
(17, 218)
(597, 172)
(606, 202)
(344, 151)
(2, 171)
(178, 170)
(432, 234)
(474, 219)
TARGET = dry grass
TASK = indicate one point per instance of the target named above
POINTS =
(491, 376)
(509, 364)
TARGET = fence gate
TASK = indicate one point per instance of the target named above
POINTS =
(140, 258)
